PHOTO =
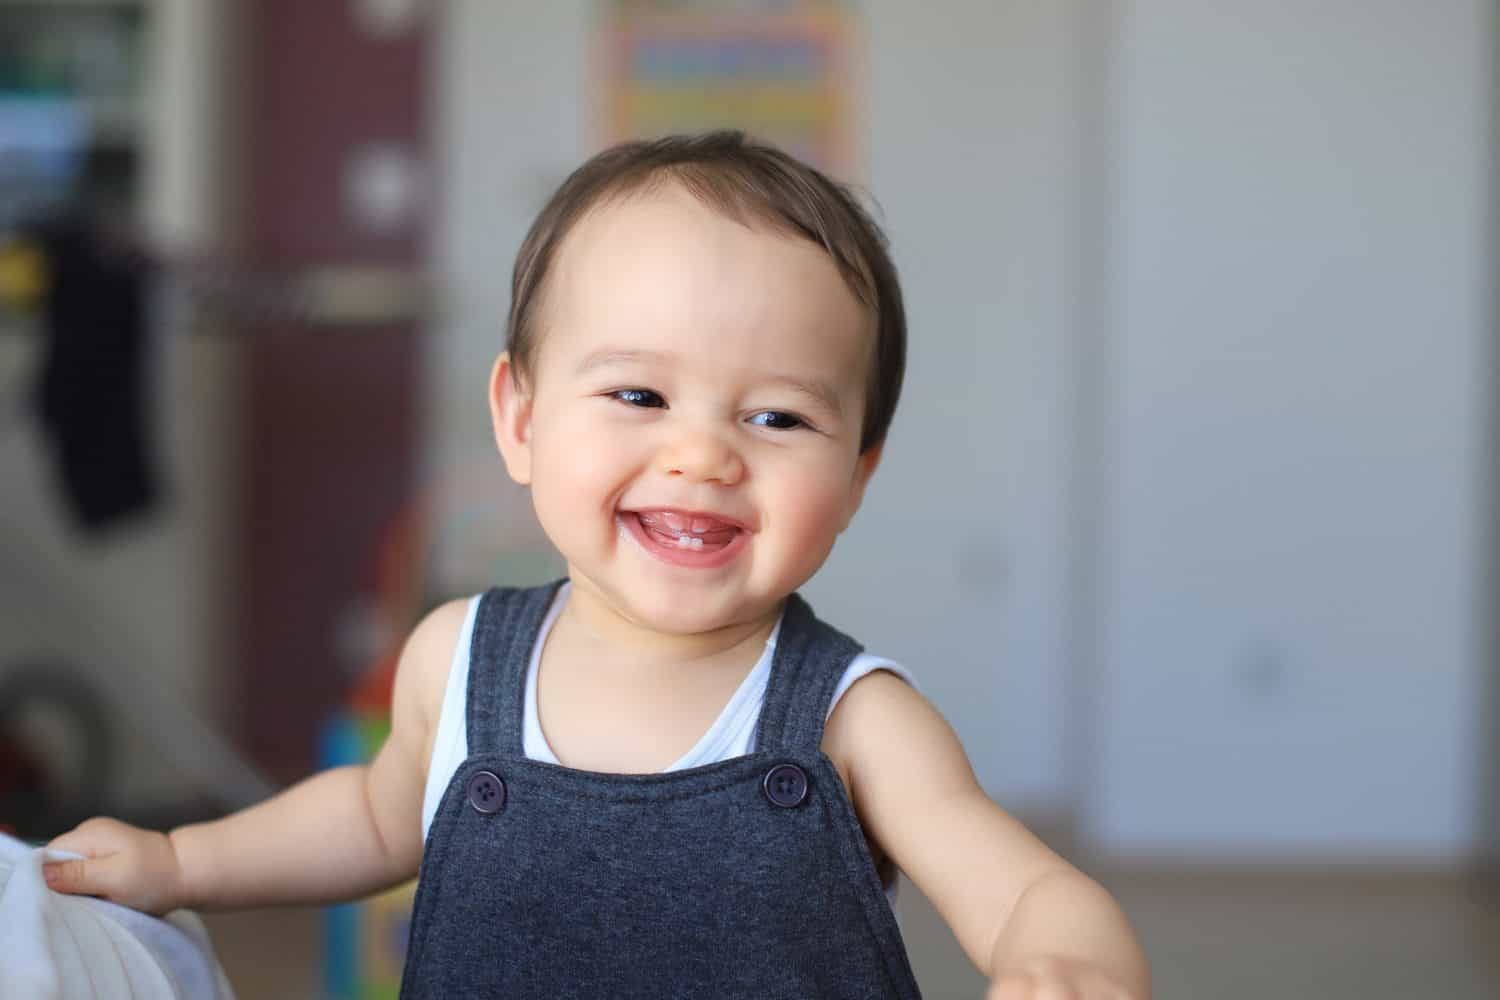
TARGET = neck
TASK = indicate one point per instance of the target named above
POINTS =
(596, 623)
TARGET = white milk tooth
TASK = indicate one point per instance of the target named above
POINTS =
(701, 525)
(684, 541)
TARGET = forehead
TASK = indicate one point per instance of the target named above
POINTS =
(662, 271)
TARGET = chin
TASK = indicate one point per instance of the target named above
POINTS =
(689, 607)
(681, 616)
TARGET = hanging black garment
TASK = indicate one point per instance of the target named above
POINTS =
(93, 392)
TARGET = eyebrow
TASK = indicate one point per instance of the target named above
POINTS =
(607, 357)
(818, 391)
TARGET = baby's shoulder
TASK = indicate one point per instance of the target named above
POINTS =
(422, 672)
(871, 696)
(878, 707)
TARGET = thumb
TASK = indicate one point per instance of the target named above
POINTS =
(80, 876)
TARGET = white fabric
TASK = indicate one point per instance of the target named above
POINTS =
(65, 947)
(731, 735)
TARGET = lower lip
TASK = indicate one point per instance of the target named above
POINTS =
(677, 555)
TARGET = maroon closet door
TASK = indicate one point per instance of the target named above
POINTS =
(333, 407)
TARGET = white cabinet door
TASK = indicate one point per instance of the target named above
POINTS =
(1297, 313)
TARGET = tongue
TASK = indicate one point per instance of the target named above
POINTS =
(671, 525)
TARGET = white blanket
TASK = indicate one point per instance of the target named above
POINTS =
(78, 948)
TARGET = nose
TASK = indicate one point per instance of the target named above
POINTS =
(701, 457)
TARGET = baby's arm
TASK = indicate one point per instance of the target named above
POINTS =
(338, 835)
(1026, 918)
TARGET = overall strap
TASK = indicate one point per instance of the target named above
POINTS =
(811, 656)
(505, 630)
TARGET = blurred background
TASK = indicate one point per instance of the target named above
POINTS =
(1186, 522)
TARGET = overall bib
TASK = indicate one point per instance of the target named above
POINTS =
(747, 878)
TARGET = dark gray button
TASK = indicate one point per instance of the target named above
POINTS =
(786, 785)
(486, 792)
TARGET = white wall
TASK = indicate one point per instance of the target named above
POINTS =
(1297, 321)
(955, 566)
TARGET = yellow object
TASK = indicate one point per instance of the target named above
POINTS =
(23, 276)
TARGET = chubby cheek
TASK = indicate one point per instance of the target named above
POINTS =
(808, 510)
(560, 511)
(575, 489)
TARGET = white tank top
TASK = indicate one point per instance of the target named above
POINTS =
(731, 735)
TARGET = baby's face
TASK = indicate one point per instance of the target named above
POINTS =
(692, 425)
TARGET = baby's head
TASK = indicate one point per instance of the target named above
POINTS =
(705, 350)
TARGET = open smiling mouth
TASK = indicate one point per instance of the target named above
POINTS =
(685, 538)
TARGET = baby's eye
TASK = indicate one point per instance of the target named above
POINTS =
(639, 397)
(778, 420)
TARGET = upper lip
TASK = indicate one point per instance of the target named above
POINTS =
(707, 515)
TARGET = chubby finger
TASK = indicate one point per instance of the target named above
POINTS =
(78, 876)
(1025, 986)
(1012, 986)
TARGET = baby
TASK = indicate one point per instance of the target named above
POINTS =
(706, 344)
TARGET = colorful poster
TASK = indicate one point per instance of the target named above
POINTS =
(782, 70)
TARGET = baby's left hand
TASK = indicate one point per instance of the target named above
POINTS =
(1057, 979)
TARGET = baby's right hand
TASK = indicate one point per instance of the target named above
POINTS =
(121, 863)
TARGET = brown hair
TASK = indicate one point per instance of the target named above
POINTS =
(742, 178)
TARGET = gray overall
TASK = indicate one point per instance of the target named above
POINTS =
(746, 878)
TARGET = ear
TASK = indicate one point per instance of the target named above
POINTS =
(510, 415)
(864, 468)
